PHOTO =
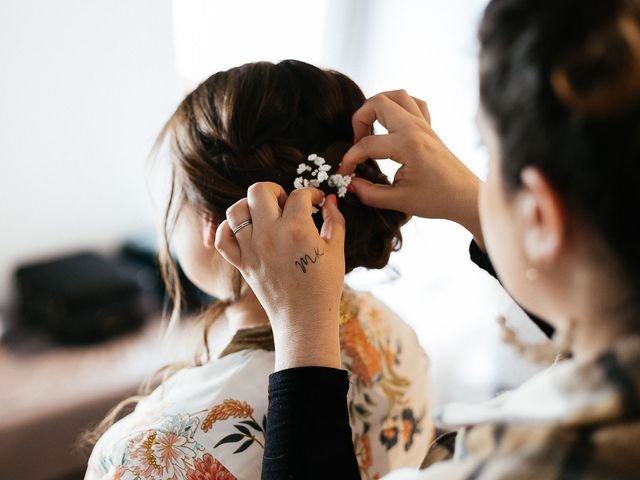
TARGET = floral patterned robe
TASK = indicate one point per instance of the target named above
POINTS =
(208, 422)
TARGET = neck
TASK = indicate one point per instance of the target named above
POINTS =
(597, 304)
(590, 340)
(246, 312)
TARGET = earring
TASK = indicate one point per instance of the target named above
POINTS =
(532, 274)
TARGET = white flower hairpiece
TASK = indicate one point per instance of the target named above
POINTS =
(319, 172)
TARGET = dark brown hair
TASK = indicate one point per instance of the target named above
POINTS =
(257, 123)
(561, 82)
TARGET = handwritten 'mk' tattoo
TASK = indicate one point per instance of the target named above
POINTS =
(304, 262)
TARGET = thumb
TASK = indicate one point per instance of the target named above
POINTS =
(376, 195)
(333, 226)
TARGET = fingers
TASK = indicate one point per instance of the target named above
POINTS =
(373, 146)
(265, 201)
(237, 215)
(424, 109)
(333, 228)
(227, 244)
(380, 108)
(377, 195)
(402, 98)
(301, 202)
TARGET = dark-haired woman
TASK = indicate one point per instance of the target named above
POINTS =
(560, 114)
(262, 122)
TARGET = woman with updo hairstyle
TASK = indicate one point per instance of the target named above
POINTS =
(287, 123)
(556, 220)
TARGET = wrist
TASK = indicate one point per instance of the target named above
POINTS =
(313, 342)
(468, 214)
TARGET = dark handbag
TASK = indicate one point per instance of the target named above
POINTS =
(79, 298)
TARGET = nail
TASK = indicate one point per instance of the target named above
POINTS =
(350, 188)
(334, 199)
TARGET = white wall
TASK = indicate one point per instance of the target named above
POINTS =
(84, 88)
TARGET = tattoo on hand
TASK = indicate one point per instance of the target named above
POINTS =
(304, 262)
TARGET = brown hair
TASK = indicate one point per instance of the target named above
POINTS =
(255, 123)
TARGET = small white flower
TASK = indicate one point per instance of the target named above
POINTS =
(323, 176)
(314, 173)
(314, 183)
(298, 183)
(312, 157)
(306, 182)
(342, 191)
(315, 210)
(324, 168)
(303, 168)
(319, 161)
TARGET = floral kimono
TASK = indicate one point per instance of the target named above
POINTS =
(576, 420)
(208, 422)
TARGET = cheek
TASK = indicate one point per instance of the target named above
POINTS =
(204, 267)
(190, 251)
(500, 231)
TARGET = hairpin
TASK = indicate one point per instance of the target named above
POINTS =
(319, 169)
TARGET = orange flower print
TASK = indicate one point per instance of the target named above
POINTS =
(172, 453)
(120, 471)
(366, 358)
(366, 460)
(142, 459)
(227, 409)
(159, 455)
(208, 468)
(409, 428)
(389, 437)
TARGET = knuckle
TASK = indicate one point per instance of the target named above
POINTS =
(297, 234)
(256, 188)
(412, 141)
(378, 98)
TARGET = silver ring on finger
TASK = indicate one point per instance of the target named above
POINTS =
(246, 223)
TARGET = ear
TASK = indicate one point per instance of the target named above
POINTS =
(543, 213)
(209, 228)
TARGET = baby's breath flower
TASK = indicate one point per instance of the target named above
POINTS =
(303, 168)
(339, 182)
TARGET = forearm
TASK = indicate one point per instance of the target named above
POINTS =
(308, 433)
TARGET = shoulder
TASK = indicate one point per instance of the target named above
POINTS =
(388, 399)
(209, 417)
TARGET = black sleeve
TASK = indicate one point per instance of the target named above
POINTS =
(308, 435)
(481, 259)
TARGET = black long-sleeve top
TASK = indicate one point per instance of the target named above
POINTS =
(314, 399)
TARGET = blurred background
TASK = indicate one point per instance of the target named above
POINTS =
(86, 86)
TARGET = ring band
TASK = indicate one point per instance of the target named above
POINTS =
(246, 223)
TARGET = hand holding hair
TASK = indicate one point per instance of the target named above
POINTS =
(431, 183)
(296, 272)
